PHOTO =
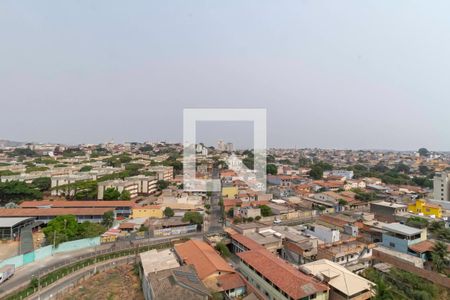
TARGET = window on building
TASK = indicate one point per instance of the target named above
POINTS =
(392, 245)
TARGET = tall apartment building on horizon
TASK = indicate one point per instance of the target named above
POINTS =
(441, 186)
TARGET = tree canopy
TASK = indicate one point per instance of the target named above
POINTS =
(111, 194)
(66, 228)
(168, 212)
(193, 217)
(15, 191)
(271, 169)
(42, 183)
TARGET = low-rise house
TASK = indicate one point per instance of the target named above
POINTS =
(323, 233)
(421, 207)
(354, 184)
(232, 285)
(169, 226)
(386, 211)
(343, 283)
(281, 180)
(207, 262)
(176, 283)
(344, 173)
(246, 228)
(328, 185)
(424, 249)
(247, 212)
(400, 237)
(298, 248)
(347, 253)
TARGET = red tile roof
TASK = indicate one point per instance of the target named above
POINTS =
(291, 281)
(49, 212)
(247, 242)
(424, 246)
(230, 281)
(67, 204)
(204, 258)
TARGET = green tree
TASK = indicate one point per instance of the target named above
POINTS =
(193, 217)
(125, 195)
(316, 173)
(342, 202)
(89, 230)
(108, 219)
(42, 183)
(303, 162)
(168, 212)
(272, 169)
(61, 229)
(15, 191)
(162, 184)
(440, 257)
(223, 249)
(111, 194)
(230, 212)
(424, 152)
(265, 211)
(86, 169)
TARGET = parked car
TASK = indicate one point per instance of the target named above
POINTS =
(6, 272)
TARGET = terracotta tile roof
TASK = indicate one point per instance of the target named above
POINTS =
(232, 202)
(247, 242)
(48, 212)
(204, 258)
(329, 184)
(67, 204)
(230, 281)
(425, 246)
(291, 281)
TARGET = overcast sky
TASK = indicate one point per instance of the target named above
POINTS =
(335, 74)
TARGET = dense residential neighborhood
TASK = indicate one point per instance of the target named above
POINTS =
(332, 224)
(224, 150)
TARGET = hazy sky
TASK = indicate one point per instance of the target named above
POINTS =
(335, 74)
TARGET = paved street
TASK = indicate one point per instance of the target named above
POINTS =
(215, 223)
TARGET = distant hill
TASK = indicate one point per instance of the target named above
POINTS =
(7, 143)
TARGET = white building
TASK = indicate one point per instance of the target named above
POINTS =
(162, 172)
(120, 185)
(323, 233)
(342, 173)
(60, 183)
(146, 184)
(441, 186)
